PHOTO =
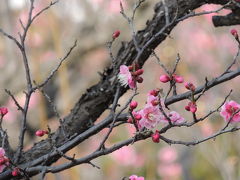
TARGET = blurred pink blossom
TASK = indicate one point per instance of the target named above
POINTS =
(167, 155)
(114, 6)
(127, 156)
(134, 177)
(169, 171)
(207, 129)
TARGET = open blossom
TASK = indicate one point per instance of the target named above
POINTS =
(175, 117)
(134, 177)
(151, 116)
(230, 112)
(125, 77)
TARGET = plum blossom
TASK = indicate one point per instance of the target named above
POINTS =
(175, 117)
(230, 112)
(125, 77)
(135, 177)
(151, 116)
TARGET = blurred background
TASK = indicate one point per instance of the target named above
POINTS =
(205, 51)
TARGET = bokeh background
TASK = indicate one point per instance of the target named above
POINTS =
(205, 51)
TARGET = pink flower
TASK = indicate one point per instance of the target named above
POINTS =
(4, 161)
(230, 108)
(175, 117)
(164, 78)
(178, 79)
(125, 77)
(134, 177)
(151, 116)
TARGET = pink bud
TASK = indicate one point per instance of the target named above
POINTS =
(156, 137)
(139, 79)
(15, 172)
(40, 133)
(192, 107)
(137, 116)
(3, 111)
(130, 68)
(154, 92)
(116, 34)
(189, 86)
(164, 78)
(187, 108)
(133, 105)
(178, 79)
(130, 120)
(234, 33)
(139, 72)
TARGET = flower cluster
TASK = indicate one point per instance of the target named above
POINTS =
(129, 75)
(151, 115)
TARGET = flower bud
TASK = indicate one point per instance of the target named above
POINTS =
(130, 120)
(130, 68)
(139, 72)
(178, 79)
(133, 105)
(189, 86)
(156, 137)
(187, 108)
(139, 79)
(41, 133)
(116, 34)
(3, 111)
(234, 33)
(15, 172)
(154, 92)
(137, 117)
(164, 78)
(192, 107)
